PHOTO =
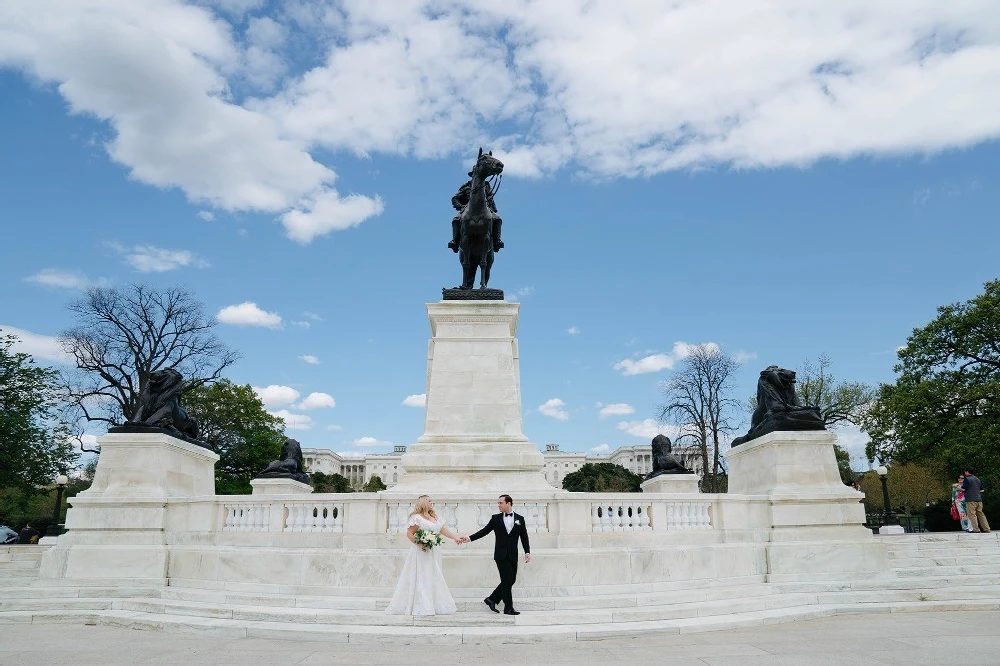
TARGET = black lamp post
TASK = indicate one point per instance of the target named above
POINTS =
(887, 516)
(61, 482)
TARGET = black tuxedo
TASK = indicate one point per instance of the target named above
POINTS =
(505, 554)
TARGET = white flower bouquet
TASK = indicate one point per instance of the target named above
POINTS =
(427, 539)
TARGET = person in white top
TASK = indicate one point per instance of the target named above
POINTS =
(422, 589)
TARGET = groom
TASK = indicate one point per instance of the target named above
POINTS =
(507, 527)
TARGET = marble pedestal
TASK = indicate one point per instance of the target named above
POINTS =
(473, 438)
(117, 529)
(671, 483)
(814, 523)
(891, 529)
(279, 487)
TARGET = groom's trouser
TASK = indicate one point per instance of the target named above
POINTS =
(508, 574)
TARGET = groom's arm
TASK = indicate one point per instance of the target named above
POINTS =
(524, 541)
(483, 532)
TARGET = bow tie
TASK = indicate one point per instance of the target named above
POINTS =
(507, 515)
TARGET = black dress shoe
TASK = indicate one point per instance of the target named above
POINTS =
(492, 604)
(511, 611)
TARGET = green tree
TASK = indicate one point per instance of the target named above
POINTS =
(374, 485)
(602, 478)
(330, 483)
(233, 420)
(944, 407)
(847, 474)
(911, 487)
(35, 443)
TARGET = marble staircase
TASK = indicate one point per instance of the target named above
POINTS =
(952, 571)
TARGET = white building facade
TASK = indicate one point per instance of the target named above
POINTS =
(360, 469)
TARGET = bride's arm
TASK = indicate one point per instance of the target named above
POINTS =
(451, 535)
(411, 535)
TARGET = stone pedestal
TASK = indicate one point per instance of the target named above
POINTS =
(473, 438)
(279, 487)
(891, 529)
(671, 483)
(117, 528)
(814, 523)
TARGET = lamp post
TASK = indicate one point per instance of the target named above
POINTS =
(889, 524)
(61, 482)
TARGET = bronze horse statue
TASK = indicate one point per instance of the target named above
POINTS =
(475, 245)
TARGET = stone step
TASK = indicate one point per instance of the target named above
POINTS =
(456, 633)
(18, 573)
(20, 564)
(39, 592)
(960, 570)
(934, 553)
(51, 603)
(948, 560)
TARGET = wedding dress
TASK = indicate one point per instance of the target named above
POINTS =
(422, 589)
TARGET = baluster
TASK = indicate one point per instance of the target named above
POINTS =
(644, 517)
(595, 518)
(671, 516)
(390, 510)
(338, 517)
(688, 516)
(542, 520)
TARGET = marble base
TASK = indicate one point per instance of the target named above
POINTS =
(151, 465)
(671, 483)
(473, 437)
(279, 487)
(891, 529)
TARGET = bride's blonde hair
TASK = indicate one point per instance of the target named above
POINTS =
(424, 508)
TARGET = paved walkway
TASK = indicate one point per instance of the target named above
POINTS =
(907, 639)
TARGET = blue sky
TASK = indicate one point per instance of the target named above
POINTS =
(784, 184)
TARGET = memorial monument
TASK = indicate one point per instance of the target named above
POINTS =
(473, 436)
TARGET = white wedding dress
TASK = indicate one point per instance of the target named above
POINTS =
(421, 589)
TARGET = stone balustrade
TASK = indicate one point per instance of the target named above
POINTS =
(562, 513)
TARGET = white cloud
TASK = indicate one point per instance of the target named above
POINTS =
(327, 211)
(312, 315)
(334, 428)
(853, 440)
(370, 442)
(317, 401)
(248, 314)
(647, 428)
(416, 400)
(276, 395)
(301, 324)
(63, 279)
(600, 448)
(657, 362)
(554, 408)
(156, 72)
(294, 421)
(40, 346)
(206, 215)
(309, 358)
(615, 409)
(573, 330)
(152, 259)
(606, 88)
(741, 356)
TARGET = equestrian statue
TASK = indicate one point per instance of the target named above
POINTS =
(475, 231)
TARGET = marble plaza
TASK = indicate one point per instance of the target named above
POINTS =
(150, 545)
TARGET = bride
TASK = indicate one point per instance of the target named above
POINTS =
(421, 589)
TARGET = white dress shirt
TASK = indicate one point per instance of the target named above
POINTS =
(508, 522)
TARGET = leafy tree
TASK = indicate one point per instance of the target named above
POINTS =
(944, 407)
(233, 420)
(34, 442)
(838, 402)
(124, 334)
(374, 485)
(330, 483)
(602, 478)
(847, 474)
(698, 399)
(911, 487)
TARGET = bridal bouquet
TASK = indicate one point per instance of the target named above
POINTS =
(427, 539)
